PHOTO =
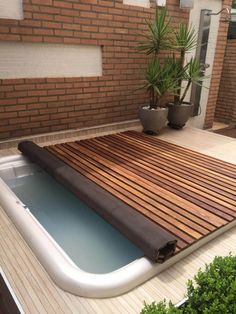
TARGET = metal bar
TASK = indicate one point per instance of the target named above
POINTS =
(201, 52)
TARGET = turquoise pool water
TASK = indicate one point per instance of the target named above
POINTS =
(93, 244)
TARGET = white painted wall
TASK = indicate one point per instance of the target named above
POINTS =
(215, 6)
(33, 60)
(11, 9)
(140, 3)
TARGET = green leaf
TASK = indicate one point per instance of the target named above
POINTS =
(159, 34)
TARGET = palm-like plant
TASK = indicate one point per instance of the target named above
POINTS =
(159, 35)
(184, 41)
(191, 74)
(159, 78)
(159, 81)
(167, 76)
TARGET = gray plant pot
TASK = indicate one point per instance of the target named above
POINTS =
(178, 115)
(153, 120)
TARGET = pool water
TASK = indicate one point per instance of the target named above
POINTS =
(92, 244)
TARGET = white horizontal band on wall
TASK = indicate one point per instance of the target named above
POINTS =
(161, 3)
(140, 3)
(11, 9)
(38, 60)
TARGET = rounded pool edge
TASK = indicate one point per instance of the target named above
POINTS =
(58, 265)
(61, 268)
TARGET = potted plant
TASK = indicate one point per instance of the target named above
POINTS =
(184, 41)
(159, 75)
(158, 83)
(183, 73)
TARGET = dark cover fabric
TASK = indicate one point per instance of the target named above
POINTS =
(156, 243)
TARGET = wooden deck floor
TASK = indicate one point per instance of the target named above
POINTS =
(38, 294)
(187, 193)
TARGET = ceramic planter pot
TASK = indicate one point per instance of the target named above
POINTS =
(178, 115)
(153, 120)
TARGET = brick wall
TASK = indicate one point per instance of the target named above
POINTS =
(226, 103)
(30, 106)
(217, 67)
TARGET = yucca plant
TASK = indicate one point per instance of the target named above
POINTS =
(183, 42)
(191, 74)
(159, 76)
(174, 75)
(160, 81)
(159, 34)
(162, 36)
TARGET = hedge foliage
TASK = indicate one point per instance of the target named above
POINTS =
(213, 291)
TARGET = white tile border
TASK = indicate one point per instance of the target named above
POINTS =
(139, 3)
(11, 9)
(40, 60)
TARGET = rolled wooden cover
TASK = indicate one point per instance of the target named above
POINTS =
(156, 243)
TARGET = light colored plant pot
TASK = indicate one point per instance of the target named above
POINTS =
(178, 115)
(153, 120)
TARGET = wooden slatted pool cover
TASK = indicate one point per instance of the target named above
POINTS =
(185, 192)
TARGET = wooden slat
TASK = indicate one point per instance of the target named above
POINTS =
(136, 185)
(179, 163)
(143, 176)
(125, 195)
(154, 176)
(184, 152)
(187, 193)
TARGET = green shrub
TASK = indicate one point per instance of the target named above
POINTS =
(160, 308)
(213, 291)
(215, 288)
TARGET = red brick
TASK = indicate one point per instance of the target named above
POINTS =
(50, 104)
(42, 2)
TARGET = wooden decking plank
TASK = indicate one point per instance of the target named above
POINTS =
(139, 184)
(179, 161)
(197, 177)
(189, 185)
(115, 190)
(200, 215)
(180, 190)
(206, 203)
(128, 190)
(145, 168)
(180, 150)
(193, 187)
(156, 161)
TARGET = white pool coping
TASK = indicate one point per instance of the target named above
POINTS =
(61, 268)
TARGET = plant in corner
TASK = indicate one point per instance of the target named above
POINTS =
(159, 77)
(158, 82)
(188, 72)
(213, 291)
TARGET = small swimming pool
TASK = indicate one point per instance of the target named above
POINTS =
(81, 252)
(92, 244)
